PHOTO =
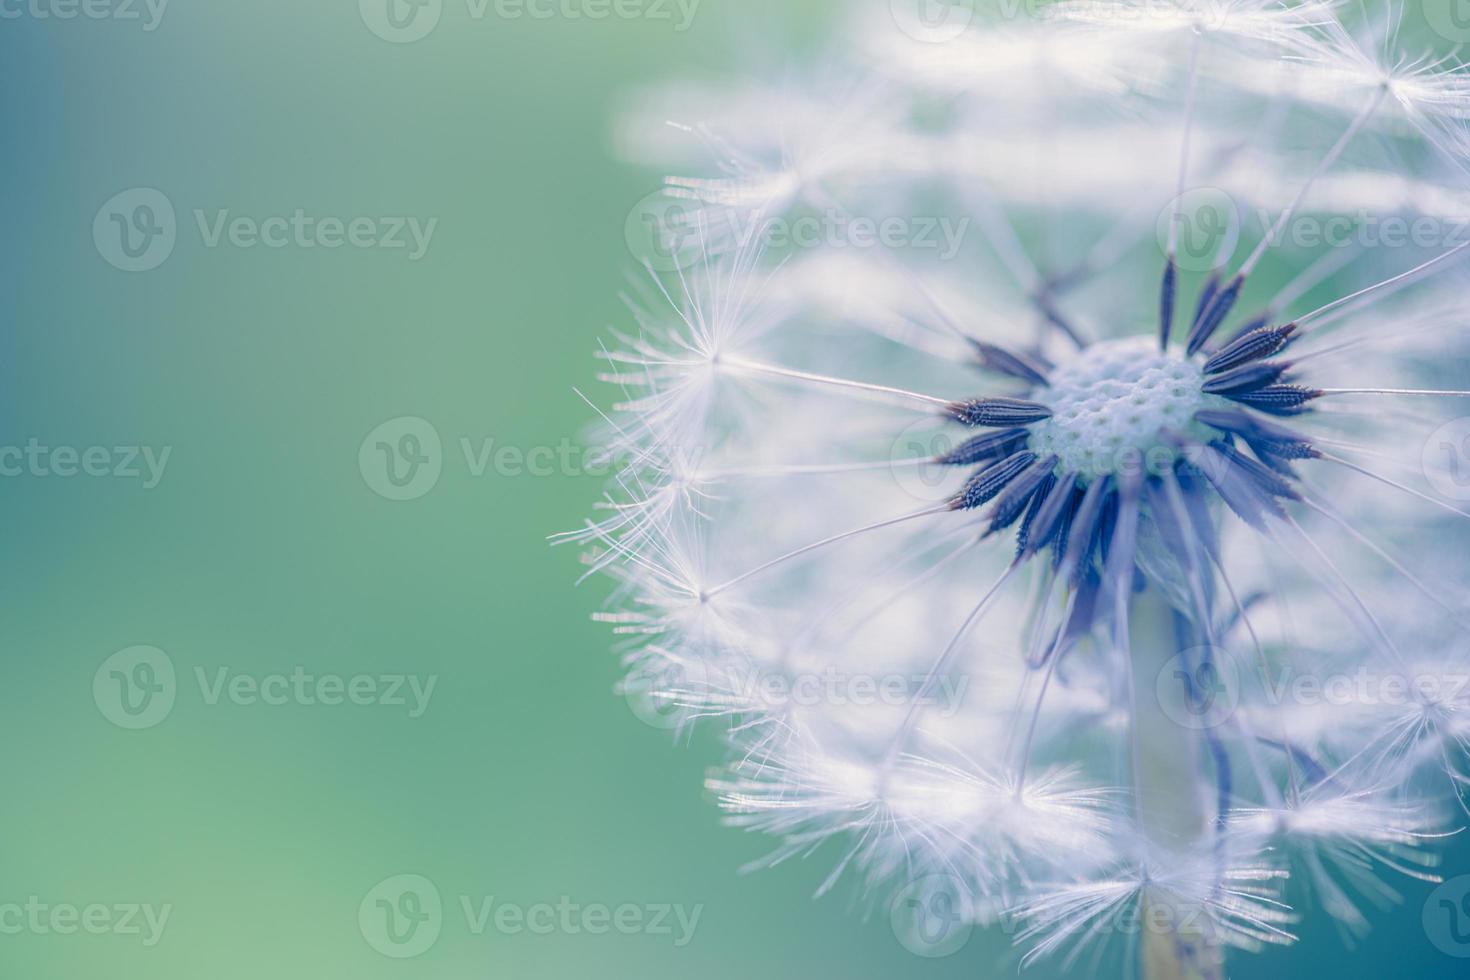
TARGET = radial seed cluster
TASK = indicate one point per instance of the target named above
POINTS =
(1106, 554)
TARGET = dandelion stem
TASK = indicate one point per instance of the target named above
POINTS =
(1169, 809)
(1165, 752)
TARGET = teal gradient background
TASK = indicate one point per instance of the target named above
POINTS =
(263, 548)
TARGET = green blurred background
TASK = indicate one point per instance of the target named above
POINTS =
(264, 548)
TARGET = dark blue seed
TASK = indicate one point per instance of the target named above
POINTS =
(1197, 507)
(1011, 363)
(1206, 296)
(1278, 399)
(1267, 480)
(1251, 345)
(1082, 531)
(1063, 530)
(1166, 303)
(1038, 498)
(1107, 523)
(1284, 442)
(1084, 609)
(1161, 509)
(998, 412)
(1247, 377)
(1213, 315)
(1241, 494)
(1043, 524)
(1013, 503)
(1254, 323)
(983, 486)
(986, 446)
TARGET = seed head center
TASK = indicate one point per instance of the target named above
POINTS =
(1115, 399)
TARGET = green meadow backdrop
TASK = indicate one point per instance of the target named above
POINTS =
(293, 299)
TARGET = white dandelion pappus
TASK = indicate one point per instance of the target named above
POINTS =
(1002, 564)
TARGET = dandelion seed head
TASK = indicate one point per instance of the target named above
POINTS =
(1115, 401)
(880, 520)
